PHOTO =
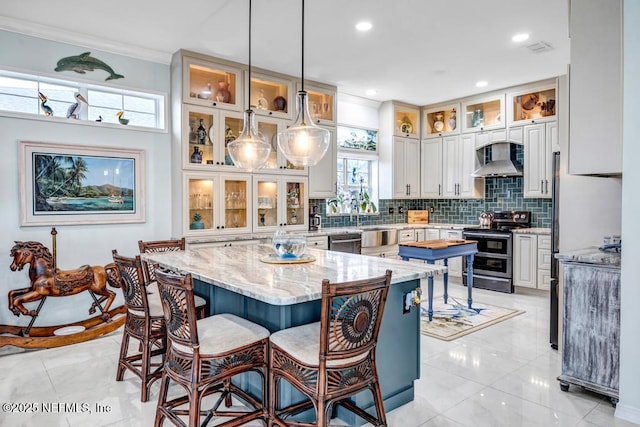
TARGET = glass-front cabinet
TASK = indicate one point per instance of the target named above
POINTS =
(217, 204)
(212, 84)
(272, 95)
(280, 202)
(406, 120)
(322, 103)
(534, 104)
(483, 113)
(440, 121)
(277, 162)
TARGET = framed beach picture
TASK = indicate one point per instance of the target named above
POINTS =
(70, 184)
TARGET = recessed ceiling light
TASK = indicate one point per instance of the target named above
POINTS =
(364, 26)
(481, 83)
(520, 37)
(371, 92)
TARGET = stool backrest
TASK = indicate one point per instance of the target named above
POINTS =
(156, 246)
(176, 294)
(132, 283)
(351, 314)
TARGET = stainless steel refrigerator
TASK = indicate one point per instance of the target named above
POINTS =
(555, 285)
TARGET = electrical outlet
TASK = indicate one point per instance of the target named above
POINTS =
(391, 210)
(400, 209)
(431, 209)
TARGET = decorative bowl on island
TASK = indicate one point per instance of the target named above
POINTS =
(289, 246)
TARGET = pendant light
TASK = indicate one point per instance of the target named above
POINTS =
(250, 151)
(303, 143)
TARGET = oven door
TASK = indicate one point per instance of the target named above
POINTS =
(485, 264)
(491, 242)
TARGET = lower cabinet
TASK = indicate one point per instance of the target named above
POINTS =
(455, 264)
(387, 251)
(222, 244)
(532, 260)
(318, 242)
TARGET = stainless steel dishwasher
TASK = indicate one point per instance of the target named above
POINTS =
(347, 242)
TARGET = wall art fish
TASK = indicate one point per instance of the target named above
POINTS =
(85, 62)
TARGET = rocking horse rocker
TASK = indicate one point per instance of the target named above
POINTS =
(47, 280)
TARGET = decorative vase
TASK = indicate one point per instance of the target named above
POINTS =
(202, 133)
(196, 156)
(280, 103)
(197, 224)
(478, 118)
(263, 104)
(223, 94)
(452, 119)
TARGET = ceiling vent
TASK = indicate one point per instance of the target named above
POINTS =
(539, 47)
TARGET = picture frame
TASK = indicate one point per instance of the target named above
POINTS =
(75, 184)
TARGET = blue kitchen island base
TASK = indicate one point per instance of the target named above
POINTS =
(397, 354)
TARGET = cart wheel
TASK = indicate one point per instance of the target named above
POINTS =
(564, 386)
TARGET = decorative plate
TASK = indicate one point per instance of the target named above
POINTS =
(275, 259)
(406, 127)
(438, 126)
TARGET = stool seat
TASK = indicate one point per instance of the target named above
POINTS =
(223, 333)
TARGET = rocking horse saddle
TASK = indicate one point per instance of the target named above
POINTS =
(68, 280)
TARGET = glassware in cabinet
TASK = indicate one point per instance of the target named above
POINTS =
(322, 102)
(280, 202)
(266, 200)
(535, 104)
(212, 84)
(199, 216)
(236, 211)
(483, 113)
(406, 120)
(440, 120)
(272, 95)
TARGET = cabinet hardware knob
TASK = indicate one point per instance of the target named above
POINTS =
(270, 112)
(214, 104)
(542, 185)
(218, 227)
(222, 226)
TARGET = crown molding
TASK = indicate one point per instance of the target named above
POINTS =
(355, 99)
(65, 36)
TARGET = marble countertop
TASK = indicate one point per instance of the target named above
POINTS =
(240, 270)
(532, 230)
(591, 255)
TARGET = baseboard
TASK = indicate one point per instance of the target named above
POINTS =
(628, 413)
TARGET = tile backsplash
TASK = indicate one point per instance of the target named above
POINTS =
(500, 194)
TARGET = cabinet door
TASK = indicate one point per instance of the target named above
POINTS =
(534, 161)
(469, 186)
(272, 95)
(236, 215)
(483, 113)
(406, 119)
(431, 169)
(212, 84)
(450, 165)
(431, 234)
(532, 104)
(455, 264)
(412, 168)
(266, 199)
(525, 265)
(440, 120)
(199, 209)
(270, 127)
(295, 204)
(231, 124)
(322, 103)
(323, 176)
(201, 147)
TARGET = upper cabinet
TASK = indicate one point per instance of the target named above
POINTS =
(534, 104)
(483, 113)
(212, 84)
(405, 119)
(272, 95)
(322, 103)
(440, 121)
(595, 88)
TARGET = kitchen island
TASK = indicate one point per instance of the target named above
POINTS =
(279, 296)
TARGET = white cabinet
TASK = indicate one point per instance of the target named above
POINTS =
(406, 236)
(441, 120)
(216, 204)
(538, 140)
(222, 244)
(455, 264)
(544, 262)
(318, 242)
(431, 234)
(525, 260)
(280, 201)
(209, 83)
(322, 102)
(323, 176)
(595, 87)
(272, 94)
(532, 104)
(459, 161)
(431, 168)
(484, 112)
(487, 137)
(400, 169)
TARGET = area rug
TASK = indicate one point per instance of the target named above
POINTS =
(455, 319)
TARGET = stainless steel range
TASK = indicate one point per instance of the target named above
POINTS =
(493, 264)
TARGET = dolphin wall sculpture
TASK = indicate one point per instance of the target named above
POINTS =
(85, 62)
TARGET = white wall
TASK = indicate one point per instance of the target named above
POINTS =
(358, 112)
(629, 406)
(85, 244)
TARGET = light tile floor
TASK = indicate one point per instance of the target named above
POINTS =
(504, 375)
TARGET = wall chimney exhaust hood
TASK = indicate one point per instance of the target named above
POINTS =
(503, 162)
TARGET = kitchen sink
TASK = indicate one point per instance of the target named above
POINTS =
(378, 236)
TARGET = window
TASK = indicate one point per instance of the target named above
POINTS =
(357, 171)
(25, 94)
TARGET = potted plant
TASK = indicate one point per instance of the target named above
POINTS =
(335, 204)
(366, 204)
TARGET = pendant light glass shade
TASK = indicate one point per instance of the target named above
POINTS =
(304, 143)
(250, 151)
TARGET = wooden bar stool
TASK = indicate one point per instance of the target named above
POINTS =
(204, 355)
(334, 359)
(156, 246)
(145, 323)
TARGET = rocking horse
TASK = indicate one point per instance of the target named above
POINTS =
(47, 280)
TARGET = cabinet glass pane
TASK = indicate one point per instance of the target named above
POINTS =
(270, 131)
(442, 121)
(534, 105)
(269, 95)
(201, 204)
(482, 114)
(320, 105)
(295, 203)
(235, 203)
(210, 84)
(406, 121)
(201, 137)
(267, 203)
(233, 128)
